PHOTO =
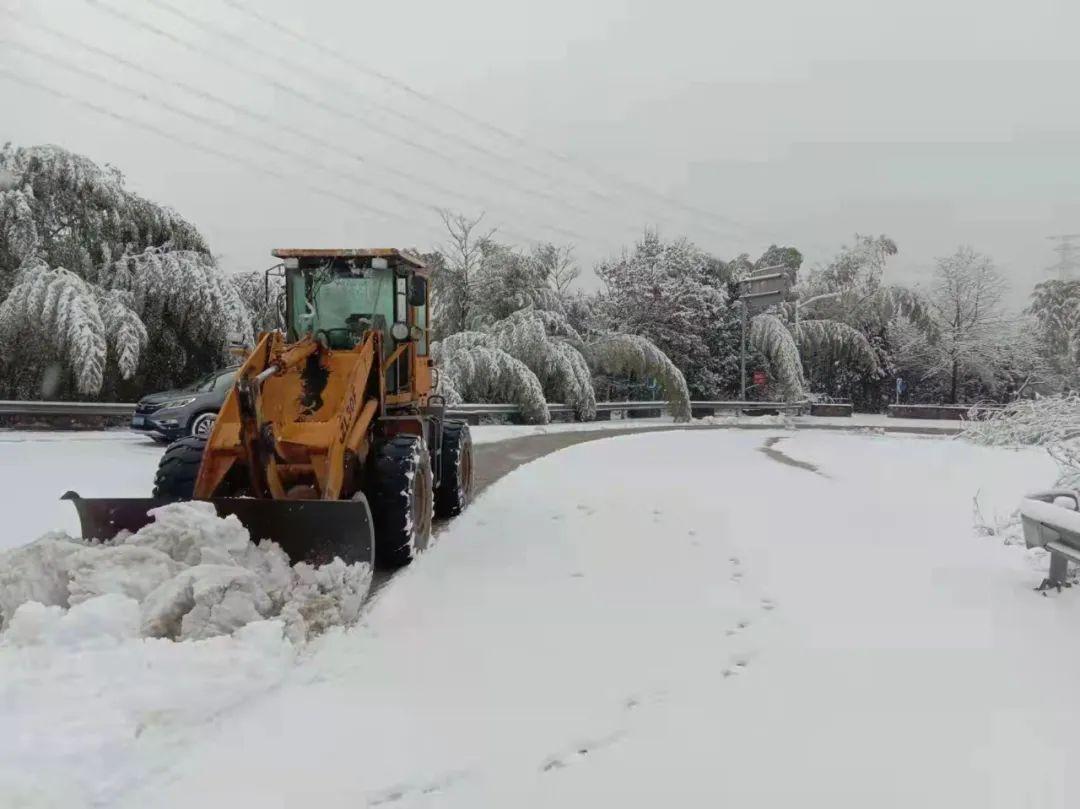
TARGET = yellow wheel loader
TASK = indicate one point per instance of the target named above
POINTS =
(331, 442)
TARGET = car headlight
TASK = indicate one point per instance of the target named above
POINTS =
(177, 403)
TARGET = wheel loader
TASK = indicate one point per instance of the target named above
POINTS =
(331, 442)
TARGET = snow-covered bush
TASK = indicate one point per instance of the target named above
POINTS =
(1052, 422)
(188, 575)
(102, 283)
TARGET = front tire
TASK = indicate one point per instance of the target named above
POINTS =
(203, 424)
(179, 467)
(455, 488)
(401, 500)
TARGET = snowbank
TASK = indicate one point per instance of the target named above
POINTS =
(188, 575)
(91, 651)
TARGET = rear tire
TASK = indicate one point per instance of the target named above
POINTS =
(401, 500)
(455, 488)
(179, 467)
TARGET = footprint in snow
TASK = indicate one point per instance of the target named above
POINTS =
(635, 701)
(579, 753)
(395, 794)
(768, 604)
(739, 627)
(587, 510)
(738, 666)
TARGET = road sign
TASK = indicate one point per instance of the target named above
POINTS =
(765, 287)
(760, 378)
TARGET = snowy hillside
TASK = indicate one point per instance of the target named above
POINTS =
(668, 619)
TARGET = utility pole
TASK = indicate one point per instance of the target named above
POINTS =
(1068, 265)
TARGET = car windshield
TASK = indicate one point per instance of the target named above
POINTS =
(215, 381)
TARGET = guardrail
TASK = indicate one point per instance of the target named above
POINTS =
(33, 408)
(940, 412)
(1054, 527)
(123, 409)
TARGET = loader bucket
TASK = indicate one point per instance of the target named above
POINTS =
(313, 531)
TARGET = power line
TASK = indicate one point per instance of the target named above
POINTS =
(419, 123)
(243, 110)
(368, 123)
(337, 53)
(258, 167)
(1068, 264)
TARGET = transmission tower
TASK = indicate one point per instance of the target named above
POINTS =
(1068, 264)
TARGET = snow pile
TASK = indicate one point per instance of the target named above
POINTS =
(733, 420)
(189, 575)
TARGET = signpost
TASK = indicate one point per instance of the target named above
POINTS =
(763, 288)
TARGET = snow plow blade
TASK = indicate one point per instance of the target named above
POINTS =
(313, 531)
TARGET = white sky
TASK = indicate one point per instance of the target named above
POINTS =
(938, 122)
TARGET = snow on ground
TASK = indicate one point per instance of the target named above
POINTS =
(764, 619)
(635, 622)
(36, 467)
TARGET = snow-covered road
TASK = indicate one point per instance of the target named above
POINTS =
(666, 619)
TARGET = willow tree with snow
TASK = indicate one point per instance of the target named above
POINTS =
(522, 345)
(115, 292)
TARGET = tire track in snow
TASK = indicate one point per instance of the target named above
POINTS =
(769, 449)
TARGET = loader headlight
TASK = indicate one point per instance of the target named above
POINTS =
(399, 331)
(177, 403)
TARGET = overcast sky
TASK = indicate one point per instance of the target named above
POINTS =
(938, 122)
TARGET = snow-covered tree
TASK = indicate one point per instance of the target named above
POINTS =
(975, 346)
(853, 290)
(455, 282)
(118, 291)
(470, 369)
(1055, 307)
(634, 355)
(677, 297)
(770, 336)
(263, 296)
(515, 332)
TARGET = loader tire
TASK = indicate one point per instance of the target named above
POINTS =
(401, 500)
(455, 488)
(178, 468)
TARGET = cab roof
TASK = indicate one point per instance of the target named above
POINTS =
(393, 256)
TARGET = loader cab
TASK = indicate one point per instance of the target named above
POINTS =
(338, 296)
